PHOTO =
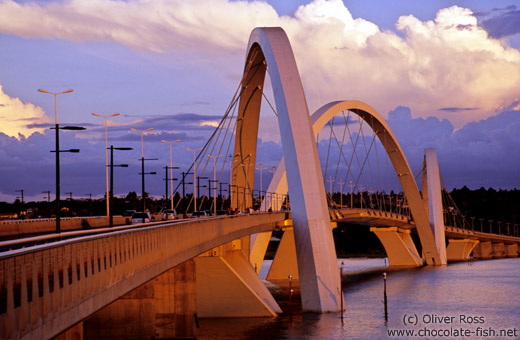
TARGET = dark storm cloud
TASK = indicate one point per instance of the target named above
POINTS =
(457, 109)
(502, 22)
(479, 154)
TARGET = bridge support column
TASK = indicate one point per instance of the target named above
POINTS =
(499, 250)
(433, 201)
(163, 308)
(399, 246)
(285, 262)
(227, 286)
(512, 250)
(459, 250)
(483, 251)
(259, 243)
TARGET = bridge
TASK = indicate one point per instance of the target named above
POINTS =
(159, 276)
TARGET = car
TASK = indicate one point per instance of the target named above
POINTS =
(199, 214)
(129, 212)
(141, 217)
(169, 214)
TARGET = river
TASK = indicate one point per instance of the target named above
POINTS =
(466, 300)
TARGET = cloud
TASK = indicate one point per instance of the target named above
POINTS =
(505, 23)
(457, 109)
(18, 118)
(448, 62)
(478, 154)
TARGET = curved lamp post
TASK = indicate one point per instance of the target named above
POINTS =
(171, 166)
(57, 128)
(106, 154)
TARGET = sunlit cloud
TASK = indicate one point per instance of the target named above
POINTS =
(448, 62)
(209, 123)
(18, 118)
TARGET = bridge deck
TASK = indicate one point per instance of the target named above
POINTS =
(48, 288)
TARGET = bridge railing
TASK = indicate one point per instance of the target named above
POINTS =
(46, 289)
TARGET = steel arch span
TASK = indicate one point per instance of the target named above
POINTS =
(323, 115)
(269, 48)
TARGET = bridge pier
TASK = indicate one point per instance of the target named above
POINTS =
(399, 246)
(285, 262)
(512, 250)
(460, 250)
(163, 308)
(483, 251)
(499, 250)
(228, 286)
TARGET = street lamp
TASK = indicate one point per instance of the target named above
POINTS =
(194, 177)
(111, 192)
(215, 158)
(57, 128)
(142, 166)
(142, 133)
(106, 152)
(261, 170)
(171, 166)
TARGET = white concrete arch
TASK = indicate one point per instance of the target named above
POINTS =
(396, 155)
(269, 48)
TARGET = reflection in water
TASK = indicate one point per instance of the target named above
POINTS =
(488, 289)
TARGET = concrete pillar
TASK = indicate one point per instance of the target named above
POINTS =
(499, 251)
(512, 250)
(483, 251)
(285, 262)
(399, 246)
(259, 243)
(163, 308)
(432, 195)
(227, 286)
(460, 250)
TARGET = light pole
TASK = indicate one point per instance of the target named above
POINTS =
(142, 133)
(142, 165)
(215, 158)
(171, 166)
(330, 180)
(194, 177)
(57, 128)
(111, 192)
(106, 153)
(341, 183)
(261, 170)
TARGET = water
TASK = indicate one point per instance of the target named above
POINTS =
(487, 292)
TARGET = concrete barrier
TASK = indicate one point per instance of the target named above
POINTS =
(48, 225)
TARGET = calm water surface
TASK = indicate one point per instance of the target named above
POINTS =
(437, 298)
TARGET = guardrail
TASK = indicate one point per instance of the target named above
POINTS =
(48, 288)
(48, 225)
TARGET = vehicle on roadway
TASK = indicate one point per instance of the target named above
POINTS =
(199, 214)
(140, 217)
(169, 214)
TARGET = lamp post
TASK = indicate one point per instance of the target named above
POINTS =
(246, 170)
(111, 191)
(215, 158)
(57, 128)
(261, 170)
(106, 153)
(142, 165)
(194, 177)
(171, 167)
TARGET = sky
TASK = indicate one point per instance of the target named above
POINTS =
(445, 74)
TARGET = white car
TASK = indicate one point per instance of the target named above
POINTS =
(169, 214)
